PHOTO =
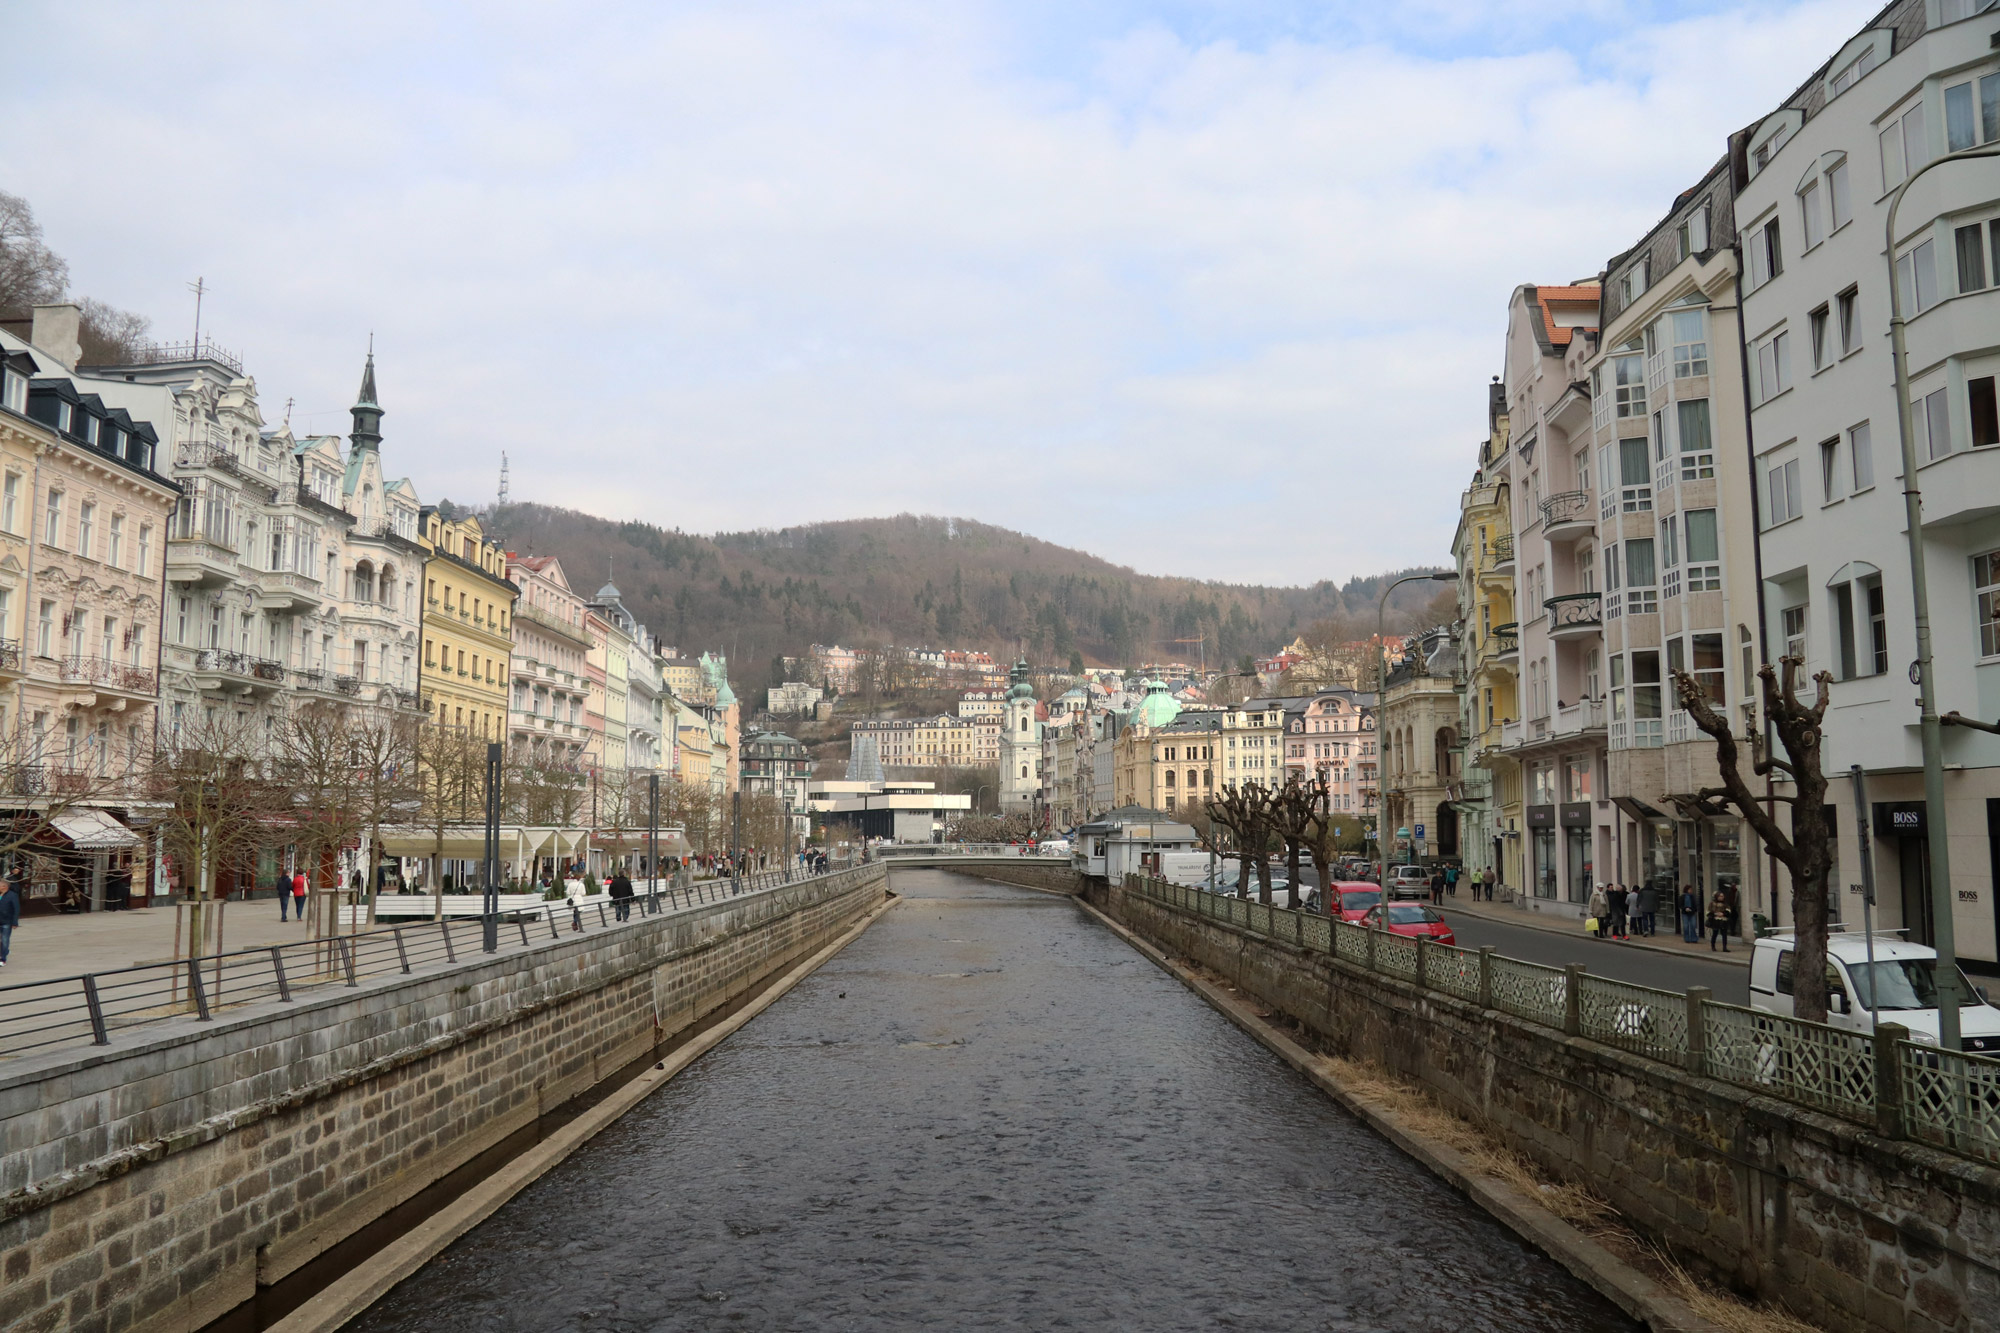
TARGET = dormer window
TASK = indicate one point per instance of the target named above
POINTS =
(87, 428)
(62, 417)
(14, 392)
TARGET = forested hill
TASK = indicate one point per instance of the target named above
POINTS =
(917, 580)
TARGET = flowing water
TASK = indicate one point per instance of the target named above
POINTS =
(989, 1111)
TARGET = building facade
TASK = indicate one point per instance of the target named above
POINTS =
(1020, 745)
(1421, 756)
(550, 644)
(468, 625)
(930, 742)
(1813, 183)
(778, 766)
(1489, 792)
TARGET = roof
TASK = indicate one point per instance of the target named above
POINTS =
(1560, 336)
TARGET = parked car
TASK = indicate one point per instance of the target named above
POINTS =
(1412, 919)
(1356, 898)
(1409, 882)
(1902, 988)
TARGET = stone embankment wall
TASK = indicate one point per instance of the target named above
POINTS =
(1047, 874)
(1852, 1231)
(154, 1186)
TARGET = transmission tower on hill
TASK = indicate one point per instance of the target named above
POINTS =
(503, 477)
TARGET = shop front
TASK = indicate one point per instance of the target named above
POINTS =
(1544, 870)
(1577, 857)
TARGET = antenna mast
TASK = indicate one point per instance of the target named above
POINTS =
(200, 288)
(503, 477)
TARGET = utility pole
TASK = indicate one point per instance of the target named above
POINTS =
(492, 848)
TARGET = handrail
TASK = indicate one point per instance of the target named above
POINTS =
(1896, 1087)
(1575, 610)
(1566, 507)
(91, 1007)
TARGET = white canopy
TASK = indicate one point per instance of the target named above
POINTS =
(92, 830)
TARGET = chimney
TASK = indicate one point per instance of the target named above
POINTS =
(55, 332)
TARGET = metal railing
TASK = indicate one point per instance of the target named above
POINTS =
(1897, 1087)
(896, 851)
(105, 671)
(95, 1006)
(1501, 551)
(1574, 610)
(1566, 507)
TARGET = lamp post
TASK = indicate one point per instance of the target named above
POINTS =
(1944, 939)
(491, 848)
(1381, 697)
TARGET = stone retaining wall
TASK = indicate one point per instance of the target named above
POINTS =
(1852, 1231)
(1048, 875)
(154, 1186)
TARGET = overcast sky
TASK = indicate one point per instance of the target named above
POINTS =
(1207, 289)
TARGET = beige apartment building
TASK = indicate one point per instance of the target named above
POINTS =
(932, 742)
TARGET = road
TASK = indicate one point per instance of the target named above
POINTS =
(1642, 967)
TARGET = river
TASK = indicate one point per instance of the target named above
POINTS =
(988, 1111)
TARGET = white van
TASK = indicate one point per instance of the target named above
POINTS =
(1902, 989)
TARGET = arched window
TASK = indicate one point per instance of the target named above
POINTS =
(1170, 779)
(364, 582)
(1024, 770)
(386, 587)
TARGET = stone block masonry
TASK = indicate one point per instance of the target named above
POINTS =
(154, 1187)
(1854, 1232)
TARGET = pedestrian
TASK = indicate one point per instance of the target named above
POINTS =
(1437, 886)
(298, 896)
(1487, 878)
(1689, 906)
(1600, 910)
(1616, 900)
(1451, 880)
(1718, 922)
(10, 916)
(284, 897)
(621, 895)
(1648, 903)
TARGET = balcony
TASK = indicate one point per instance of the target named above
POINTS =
(282, 590)
(551, 622)
(1503, 644)
(1584, 718)
(1500, 558)
(349, 686)
(237, 673)
(106, 677)
(199, 561)
(1575, 615)
(11, 662)
(1566, 516)
(1512, 734)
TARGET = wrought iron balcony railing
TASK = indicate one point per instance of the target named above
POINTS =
(1575, 610)
(105, 671)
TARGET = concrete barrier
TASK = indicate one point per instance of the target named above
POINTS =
(155, 1187)
(1854, 1232)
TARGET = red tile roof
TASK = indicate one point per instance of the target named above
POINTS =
(1559, 336)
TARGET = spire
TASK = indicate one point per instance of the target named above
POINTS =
(367, 412)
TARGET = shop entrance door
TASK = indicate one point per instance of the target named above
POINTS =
(1913, 855)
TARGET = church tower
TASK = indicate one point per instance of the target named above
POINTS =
(1020, 745)
(367, 432)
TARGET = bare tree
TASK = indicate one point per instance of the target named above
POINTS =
(1246, 812)
(214, 806)
(1806, 849)
(31, 274)
(387, 782)
(450, 770)
(316, 768)
(110, 336)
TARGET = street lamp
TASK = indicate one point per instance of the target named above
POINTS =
(1944, 938)
(1381, 697)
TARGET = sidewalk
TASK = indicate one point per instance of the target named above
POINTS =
(45, 947)
(1668, 941)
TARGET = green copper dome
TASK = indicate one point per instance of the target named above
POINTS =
(1158, 708)
(1023, 688)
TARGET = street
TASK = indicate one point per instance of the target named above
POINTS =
(1643, 967)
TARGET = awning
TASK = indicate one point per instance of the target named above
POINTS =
(93, 830)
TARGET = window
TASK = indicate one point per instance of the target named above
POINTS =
(1697, 448)
(1861, 457)
(1693, 233)
(1628, 375)
(1793, 623)
(1688, 329)
(1767, 255)
(6, 618)
(1840, 207)
(1982, 410)
(14, 392)
(138, 639)
(1903, 146)
(1809, 213)
(1786, 503)
(45, 631)
(1844, 631)
(1878, 625)
(1916, 278)
(1707, 662)
(215, 625)
(1774, 366)
(1670, 543)
(1640, 576)
(1829, 470)
(86, 530)
(109, 643)
(1931, 415)
(10, 502)
(145, 549)
(1816, 336)
(52, 526)
(1704, 568)
(1634, 478)
(1970, 243)
(1966, 124)
(1850, 73)
(1647, 699)
(1986, 587)
(1844, 304)
(116, 553)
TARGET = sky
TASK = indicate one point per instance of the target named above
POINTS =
(1207, 289)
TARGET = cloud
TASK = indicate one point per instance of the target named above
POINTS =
(1208, 290)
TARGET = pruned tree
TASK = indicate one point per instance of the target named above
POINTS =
(1293, 806)
(451, 767)
(214, 805)
(388, 785)
(1246, 811)
(314, 765)
(1806, 847)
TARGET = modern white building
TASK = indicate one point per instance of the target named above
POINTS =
(1813, 181)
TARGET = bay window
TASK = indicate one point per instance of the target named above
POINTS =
(1986, 592)
(1697, 443)
(1704, 570)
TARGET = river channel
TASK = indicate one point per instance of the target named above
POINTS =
(988, 1111)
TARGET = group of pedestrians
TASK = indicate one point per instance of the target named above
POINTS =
(1618, 913)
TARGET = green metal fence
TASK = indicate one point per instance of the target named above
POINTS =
(1900, 1088)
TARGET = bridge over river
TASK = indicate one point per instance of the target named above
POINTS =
(988, 1110)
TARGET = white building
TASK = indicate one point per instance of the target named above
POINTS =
(1812, 182)
(1020, 746)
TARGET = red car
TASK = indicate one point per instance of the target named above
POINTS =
(1356, 899)
(1411, 919)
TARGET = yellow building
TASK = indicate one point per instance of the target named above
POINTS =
(468, 626)
(1170, 760)
(1489, 792)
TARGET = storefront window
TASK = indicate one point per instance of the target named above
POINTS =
(1725, 861)
(1579, 863)
(1661, 867)
(1545, 862)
